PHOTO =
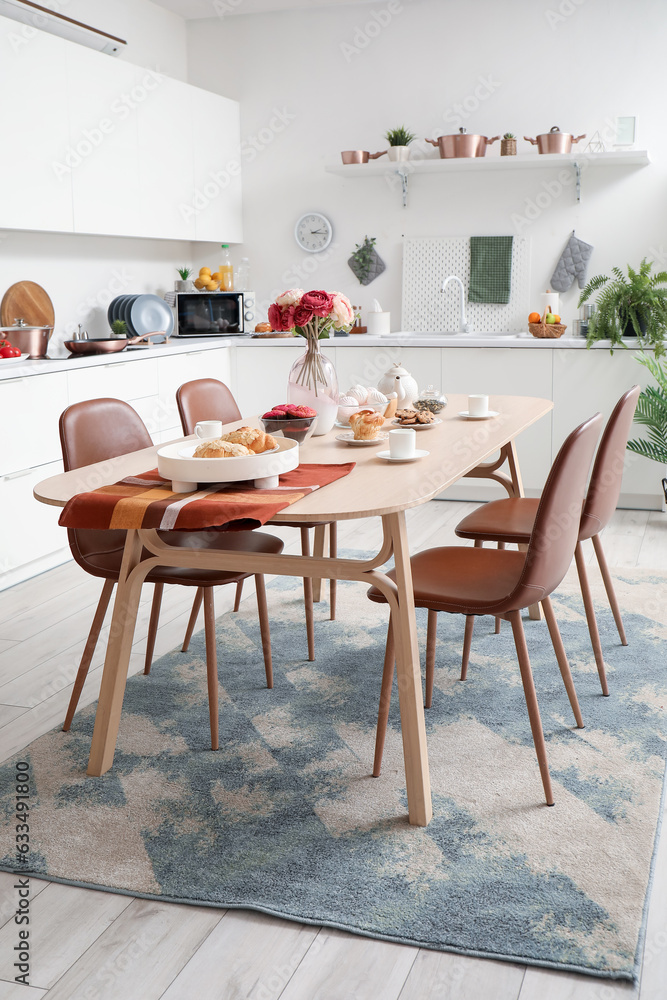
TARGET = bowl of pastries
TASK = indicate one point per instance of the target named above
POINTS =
(293, 421)
(233, 444)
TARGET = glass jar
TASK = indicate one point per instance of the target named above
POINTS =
(431, 400)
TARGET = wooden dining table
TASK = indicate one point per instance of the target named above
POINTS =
(456, 447)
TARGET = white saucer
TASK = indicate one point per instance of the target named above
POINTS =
(413, 458)
(361, 443)
(487, 416)
(417, 427)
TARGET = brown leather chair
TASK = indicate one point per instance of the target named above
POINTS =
(209, 399)
(100, 429)
(506, 521)
(478, 581)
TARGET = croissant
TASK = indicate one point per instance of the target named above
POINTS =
(253, 438)
(217, 448)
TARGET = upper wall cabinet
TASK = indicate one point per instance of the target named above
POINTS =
(34, 129)
(104, 147)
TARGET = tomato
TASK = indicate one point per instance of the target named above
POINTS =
(9, 352)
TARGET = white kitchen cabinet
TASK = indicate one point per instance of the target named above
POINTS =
(33, 124)
(175, 371)
(33, 405)
(260, 376)
(366, 365)
(217, 147)
(126, 380)
(42, 536)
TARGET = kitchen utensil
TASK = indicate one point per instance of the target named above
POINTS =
(99, 346)
(30, 340)
(431, 400)
(150, 313)
(462, 144)
(360, 155)
(360, 442)
(417, 454)
(205, 429)
(11, 361)
(185, 473)
(554, 141)
(113, 312)
(28, 301)
(124, 312)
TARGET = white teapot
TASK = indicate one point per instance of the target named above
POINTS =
(397, 379)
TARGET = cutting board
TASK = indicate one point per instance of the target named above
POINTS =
(26, 300)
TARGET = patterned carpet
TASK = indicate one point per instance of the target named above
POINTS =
(285, 818)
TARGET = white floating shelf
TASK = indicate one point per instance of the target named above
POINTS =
(580, 161)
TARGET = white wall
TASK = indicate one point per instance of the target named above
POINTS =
(344, 88)
(82, 273)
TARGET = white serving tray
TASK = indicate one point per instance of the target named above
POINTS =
(186, 473)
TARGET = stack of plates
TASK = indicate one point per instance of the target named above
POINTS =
(143, 314)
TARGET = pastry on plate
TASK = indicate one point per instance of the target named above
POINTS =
(365, 424)
(263, 328)
(217, 448)
(253, 438)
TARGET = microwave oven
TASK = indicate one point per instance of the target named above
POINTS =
(214, 314)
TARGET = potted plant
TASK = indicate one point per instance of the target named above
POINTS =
(651, 413)
(366, 263)
(632, 306)
(184, 284)
(119, 328)
(399, 140)
(508, 144)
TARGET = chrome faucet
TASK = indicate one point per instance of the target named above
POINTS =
(463, 325)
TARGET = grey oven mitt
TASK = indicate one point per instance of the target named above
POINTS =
(573, 264)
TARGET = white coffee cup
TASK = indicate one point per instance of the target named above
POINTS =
(478, 406)
(402, 442)
(206, 429)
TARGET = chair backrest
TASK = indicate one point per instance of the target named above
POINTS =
(205, 399)
(605, 486)
(96, 430)
(556, 527)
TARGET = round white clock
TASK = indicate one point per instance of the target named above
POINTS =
(313, 232)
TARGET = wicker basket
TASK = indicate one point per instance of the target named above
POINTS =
(508, 147)
(547, 331)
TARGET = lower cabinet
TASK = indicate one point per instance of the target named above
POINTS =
(42, 543)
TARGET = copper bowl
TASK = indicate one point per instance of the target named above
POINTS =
(359, 155)
(100, 346)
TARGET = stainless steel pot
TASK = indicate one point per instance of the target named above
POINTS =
(359, 155)
(554, 141)
(30, 340)
(462, 144)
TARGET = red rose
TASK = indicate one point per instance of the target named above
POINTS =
(281, 320)
(302, 314)
(320, 303)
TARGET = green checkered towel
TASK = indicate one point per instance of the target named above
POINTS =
(490, 269)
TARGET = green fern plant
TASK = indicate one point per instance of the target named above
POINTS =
(399, 136)
(651, 413)
(626, 304)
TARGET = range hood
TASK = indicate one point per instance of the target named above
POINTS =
(40, 17)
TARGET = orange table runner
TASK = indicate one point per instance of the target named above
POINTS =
(147, 501)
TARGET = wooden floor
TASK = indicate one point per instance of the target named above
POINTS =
(90, 945)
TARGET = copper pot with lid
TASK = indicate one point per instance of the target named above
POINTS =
(554, 141)
(359, 155)
(28, 339)
(462, 144)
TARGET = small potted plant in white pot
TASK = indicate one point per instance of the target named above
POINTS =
(184, 285)
(399, 140)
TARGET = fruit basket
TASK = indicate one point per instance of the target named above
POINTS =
(547, 331)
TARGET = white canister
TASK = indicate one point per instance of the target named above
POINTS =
(378, 323)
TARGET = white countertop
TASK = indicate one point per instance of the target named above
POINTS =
(194, 344)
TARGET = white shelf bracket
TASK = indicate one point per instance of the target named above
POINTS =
(403, 174)
(577, 178)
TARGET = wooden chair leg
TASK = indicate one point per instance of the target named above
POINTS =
(88, 651)
(211, 664)
(467, 643)
(385, 700)
(531, 702)
(561, 656)
(263, 612)
(609, 587)
(238, 595)
(333, 552)
(479, 544)
(496, 631)
(194, 614)
(308, 596)
(152, 625)
(590, 616)
(318, 551)
(431, 633)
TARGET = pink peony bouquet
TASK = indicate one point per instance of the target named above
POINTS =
(311, 314)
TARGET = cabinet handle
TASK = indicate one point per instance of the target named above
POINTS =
(111, 365)
(17, 475)
(194, 354)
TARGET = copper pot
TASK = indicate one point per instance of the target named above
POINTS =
(360, 155)
(30, 340)
(554, 141)
(462, 144)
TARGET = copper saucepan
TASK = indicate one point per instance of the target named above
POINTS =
(360, 155)
(554, 141)
(462, 144)
(30, 340)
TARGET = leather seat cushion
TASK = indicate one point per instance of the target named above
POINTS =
(508, 520)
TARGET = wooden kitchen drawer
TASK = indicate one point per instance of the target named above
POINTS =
(40, 533)
(126, 380)
(33, 406)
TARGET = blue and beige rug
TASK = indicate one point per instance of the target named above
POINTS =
(285, 818)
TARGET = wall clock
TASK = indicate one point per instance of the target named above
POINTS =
(313, 232)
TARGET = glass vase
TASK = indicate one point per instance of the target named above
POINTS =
(313, 382)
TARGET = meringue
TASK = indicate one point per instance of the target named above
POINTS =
(359, 392)
(375, 396)
(348, 401)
